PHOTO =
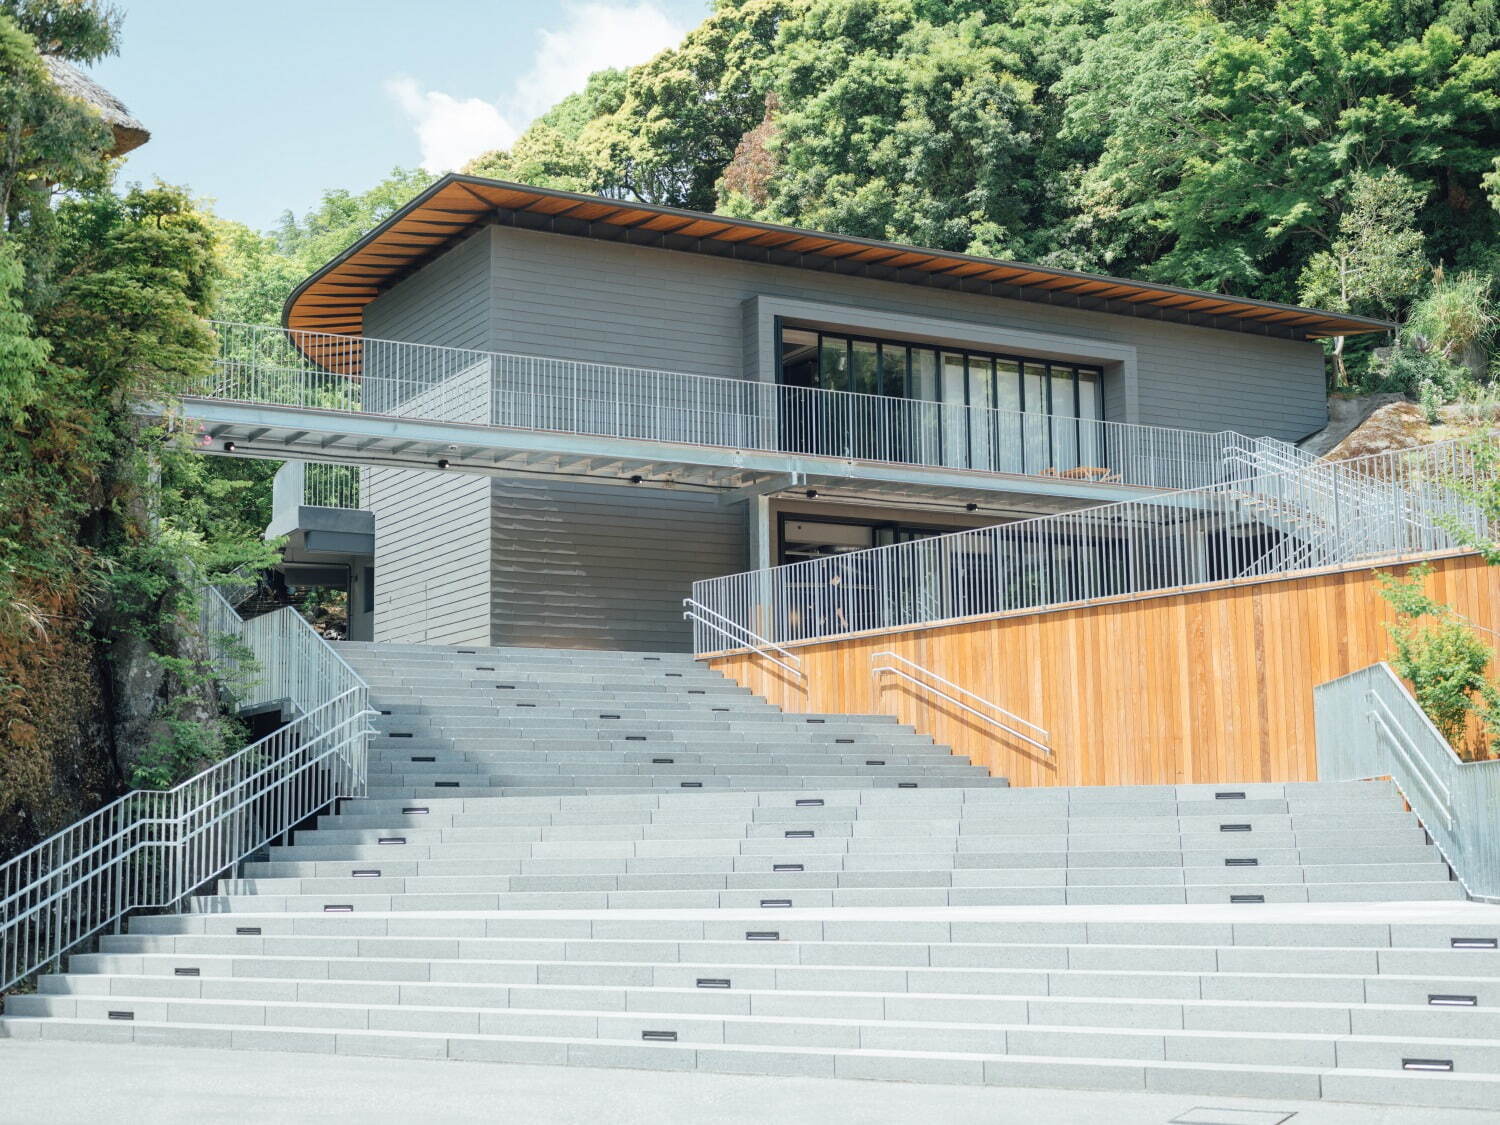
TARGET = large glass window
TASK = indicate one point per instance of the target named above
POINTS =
(1004, 413)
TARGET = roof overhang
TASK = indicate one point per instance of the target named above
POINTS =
(333, 299)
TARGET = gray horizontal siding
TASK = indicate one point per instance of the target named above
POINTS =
(432, 530)
(599, 566)
(614, 303)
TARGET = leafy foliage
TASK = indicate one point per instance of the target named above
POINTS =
(1444, 659)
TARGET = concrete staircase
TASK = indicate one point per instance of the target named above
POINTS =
(623, 859)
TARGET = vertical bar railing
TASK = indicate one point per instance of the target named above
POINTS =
(1388, 505)
(331, 372)
(153, 849)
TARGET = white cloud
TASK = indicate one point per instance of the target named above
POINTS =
(592, 35)
(451, 132)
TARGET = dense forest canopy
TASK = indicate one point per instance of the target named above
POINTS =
(1343, 153)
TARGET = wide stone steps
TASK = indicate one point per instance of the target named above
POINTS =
(1241, 1009)
(625, 859)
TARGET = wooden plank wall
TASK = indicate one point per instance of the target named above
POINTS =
(1207, 686)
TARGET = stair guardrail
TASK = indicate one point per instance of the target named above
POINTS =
(1370, 726)
(1005, 723)
(152, 849)
(1385, 507)
(740, 637)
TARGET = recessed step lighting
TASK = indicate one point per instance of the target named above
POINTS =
(1451, 1000)
(365, 873)
(391, 840)
(875, 762)
(798, 834)
(424, 758)
(663, 761)
(659, 1036)
(1247, 898)
(1234, 828)
(609, 716)
(635, 738)
(1242, 863)
(185, 972)
(414, 810)
(338, 908)
(844, 741)
(775, 903)
(906, 785)
(1472, 943)
(398, 734)
(810, 803)
(122, 1015)
(1443, 1066)
(690, 785)
(713, 982)
(762, 935)
(1235, 796)
(490, 669)
(247, 931)
(786, 867)
(445, 785)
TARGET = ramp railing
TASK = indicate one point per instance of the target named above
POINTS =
(1369, 726)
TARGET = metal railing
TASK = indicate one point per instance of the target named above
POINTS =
(263, 364)
(1368, 726)
(740, 637)
(1007, 723)
(1174, 540)
(315, 484)
(151, 849)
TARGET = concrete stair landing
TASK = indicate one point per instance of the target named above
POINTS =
(623, 859)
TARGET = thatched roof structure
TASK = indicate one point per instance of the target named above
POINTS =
(129, 133)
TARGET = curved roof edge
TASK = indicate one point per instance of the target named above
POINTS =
(333, 298)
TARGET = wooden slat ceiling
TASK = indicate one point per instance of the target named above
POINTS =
(333, 299)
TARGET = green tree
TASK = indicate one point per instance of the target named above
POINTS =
(1375, 263)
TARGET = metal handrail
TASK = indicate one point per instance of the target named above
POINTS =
(270, 365)
(1164, 543)
(1011, 715)
(153, 848)
(1370, 726)
(692, 611)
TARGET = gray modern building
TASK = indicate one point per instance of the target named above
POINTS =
(681, 395)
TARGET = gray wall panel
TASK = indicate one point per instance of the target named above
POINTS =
(613, 303)
(598, 566)
(432, 546)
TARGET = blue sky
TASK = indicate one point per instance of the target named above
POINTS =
(262, 106)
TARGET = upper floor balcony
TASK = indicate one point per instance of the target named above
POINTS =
(293, 394)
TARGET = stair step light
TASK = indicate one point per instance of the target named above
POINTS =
(762, 935)
(659, 1036)
(365, 873)
(391, 840)
(122, 1015)
(1472, 943)
(713, 982)
(414, 810)
(185, 972)
(786, 867)
(1234, 828)
(1235, 796)
(1444, 1066)
(810, 803)
(247, 931)
(1247, 898)
(798, 834)
(775, 903)
(1242, 863)
(1451, 1000)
